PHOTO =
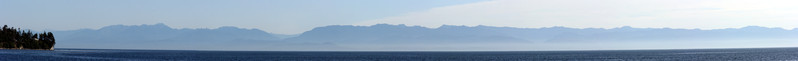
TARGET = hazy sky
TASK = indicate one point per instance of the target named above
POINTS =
(275, 16)
(296, 16)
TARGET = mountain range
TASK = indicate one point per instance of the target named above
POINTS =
(403, 37)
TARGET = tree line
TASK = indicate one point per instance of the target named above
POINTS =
(11, 38)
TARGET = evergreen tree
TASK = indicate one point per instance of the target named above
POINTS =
(18, 38)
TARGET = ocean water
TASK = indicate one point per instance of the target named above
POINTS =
(751, 54)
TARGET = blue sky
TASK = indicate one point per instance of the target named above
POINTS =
(276, 16)
(296, 16)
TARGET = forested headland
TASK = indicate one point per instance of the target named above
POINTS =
(11, 38)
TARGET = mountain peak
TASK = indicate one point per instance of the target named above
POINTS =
(228, 27)
(754, 27)
(387, 25)
(160, 26)
(453, 26)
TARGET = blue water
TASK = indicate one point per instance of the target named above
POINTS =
(752, 54)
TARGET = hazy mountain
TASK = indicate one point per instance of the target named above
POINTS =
(402, 37)
(391, 33)
(384, 33)
(161, 32)
(160, 36)
(284, 36)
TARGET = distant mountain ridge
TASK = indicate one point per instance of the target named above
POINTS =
(391, 37)
(161, 32)
(402, 34)
(163, 37)
(386, 32)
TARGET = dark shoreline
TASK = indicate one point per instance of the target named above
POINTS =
(25, 49)
(431, 51)
(11, 38)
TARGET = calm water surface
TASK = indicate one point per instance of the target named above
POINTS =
(753, 54)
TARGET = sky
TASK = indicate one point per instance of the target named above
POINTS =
(297, 16)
